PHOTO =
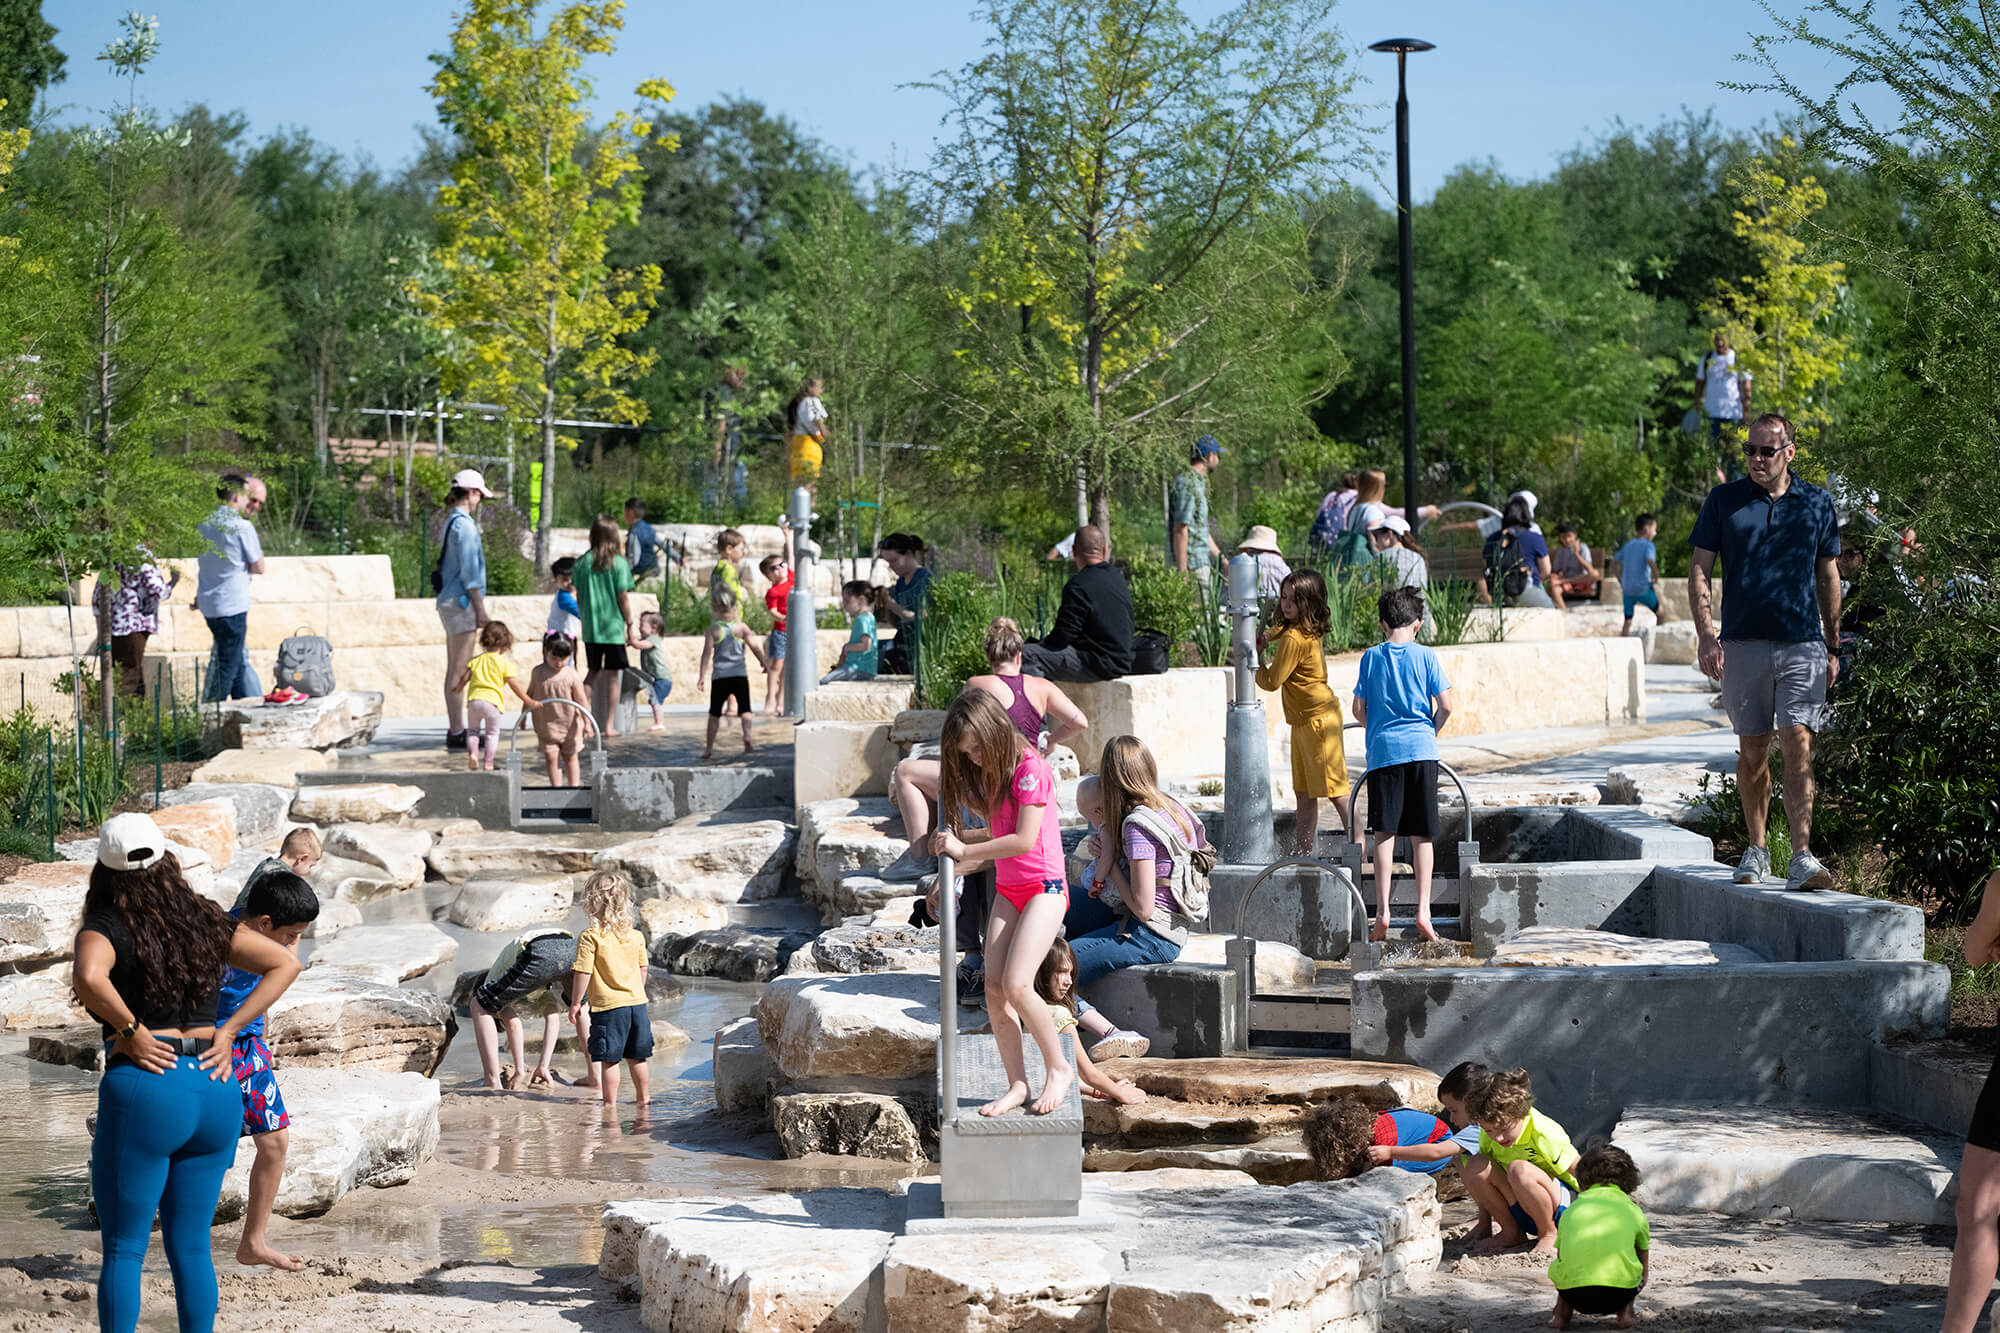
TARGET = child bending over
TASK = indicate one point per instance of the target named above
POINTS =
(1522, 1175)
(1345, 1138)
(1603, 1246)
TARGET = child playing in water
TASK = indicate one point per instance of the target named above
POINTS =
(537, 961)
(298, 853)
(1522, 1175)
(653, 661)
(485, 679)
(279, 906)
(611, 974)
(988, 767)
(1603, 1245)
(1403, 699)
(1298, 670)
(560, 730)
(728, 638)
(1055, 983)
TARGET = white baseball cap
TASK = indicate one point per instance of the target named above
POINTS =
(1393, 522)
(1529, 496)
(470, 480)
(130, 842)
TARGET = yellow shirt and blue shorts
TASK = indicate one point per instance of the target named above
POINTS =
(1597, 1267)
(1298, 672)
(621, 1028)
(1544, 1144)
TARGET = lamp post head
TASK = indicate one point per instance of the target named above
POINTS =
(1402, 45)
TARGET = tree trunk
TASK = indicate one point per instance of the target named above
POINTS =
(544, 529)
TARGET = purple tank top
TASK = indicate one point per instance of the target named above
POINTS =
(1021, 712)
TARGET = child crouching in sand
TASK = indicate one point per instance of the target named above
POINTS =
(1522, 1175)
(1603, 1246)
(1055, 983)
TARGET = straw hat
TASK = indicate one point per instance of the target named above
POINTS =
(1259, 538)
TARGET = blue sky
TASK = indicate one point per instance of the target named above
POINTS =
(1515, 83)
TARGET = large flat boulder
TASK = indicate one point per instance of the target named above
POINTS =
(326, 1020)
(882, 1025)
(41, 906)
(1565, 946)
(259, 808)
(355, 803)
(855, 1124)
(857, 893)
(337, 878)
(335, 915)
(513, 904)
(346, 717)
(398, 852)
(726, 862)
(35, 1001)
(860, 843)
(405, 950)
(731, 953)
(745, 1074)
(459, 857)
(849, 816)
(659, 917)
(350, 1128)
(1279, 966)
(278, 768)
(208, 826)
(79, 1047)
(1282, 1160)
(861, 945)
(1244, 1100)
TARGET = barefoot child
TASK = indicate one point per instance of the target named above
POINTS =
(861, 655)
(611, 974)
(485, 680)
(279, 907)
(1522, 1175)
(777, 600)
(1055, 983)
(1463, 1084)
(1603, 1246)
(1403, 699)
(991, 769)
(559, 729)
(534, 962)
(1639, 570)
(1298, 670)
(653, 661)
(298, 853)
(728, 638)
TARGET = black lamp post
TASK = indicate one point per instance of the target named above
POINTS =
(1403, 46)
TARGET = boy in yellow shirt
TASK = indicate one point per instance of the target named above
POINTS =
(1521, 1175)
(611, 974)
(1603, 1245)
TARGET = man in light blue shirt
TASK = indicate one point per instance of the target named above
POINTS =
(222, 586)
(1639, 569)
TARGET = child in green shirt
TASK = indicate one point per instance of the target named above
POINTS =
(1521, 1174)
(1603, 1246)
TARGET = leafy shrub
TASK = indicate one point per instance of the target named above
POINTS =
(953, 645)
(1163, 601)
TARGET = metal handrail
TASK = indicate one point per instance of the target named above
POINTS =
(1443, 768)
(1488, 509)
(947, 990)
(1242, 948)
(595, 731)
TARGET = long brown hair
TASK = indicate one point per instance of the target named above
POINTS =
(181, 939)
(1129, 778)
(604, 543)
(976, 717)
(1371, 486)
(1308, 593)
(1045, 977)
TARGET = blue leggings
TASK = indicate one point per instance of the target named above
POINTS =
(164, 1142)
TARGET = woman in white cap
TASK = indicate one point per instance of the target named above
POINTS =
(1262, 543)
(1402, 560)
(149, 961)
(460, 584)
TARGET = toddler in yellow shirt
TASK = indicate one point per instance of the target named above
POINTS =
(611, 976)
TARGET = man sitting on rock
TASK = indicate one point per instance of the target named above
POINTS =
(1092, 636)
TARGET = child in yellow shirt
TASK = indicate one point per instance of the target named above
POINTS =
(485, 680)
(611, 975)
(1522, 1175)
(1604, 1249)
(1297, 670)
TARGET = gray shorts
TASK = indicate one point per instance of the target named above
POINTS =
(1768, 685)
(457, 619)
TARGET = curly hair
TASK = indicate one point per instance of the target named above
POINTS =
(1338, 1135)
(1604, 1163)
(181, 939)
(1506, 1096)
(607, 900)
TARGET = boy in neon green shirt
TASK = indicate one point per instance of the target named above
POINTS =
(1521, 1175)
(1603, 1246)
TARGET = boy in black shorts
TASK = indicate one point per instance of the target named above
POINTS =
(536, 961)
(1403, 699)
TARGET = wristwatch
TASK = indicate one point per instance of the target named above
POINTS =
(128, 1029)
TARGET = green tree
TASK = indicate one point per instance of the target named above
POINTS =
(1125, 181)
(29, 60)
(538, 316)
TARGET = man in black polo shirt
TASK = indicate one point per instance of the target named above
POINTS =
(1092, 636)
(1779, 539)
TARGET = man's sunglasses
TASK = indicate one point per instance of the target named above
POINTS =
(1752, 451)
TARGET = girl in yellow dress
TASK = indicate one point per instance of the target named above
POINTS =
(1297, 670)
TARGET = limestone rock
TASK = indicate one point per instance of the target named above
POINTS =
(347, 717)
(329, 1021)
(39, 1000)
(350, 1128)
(881, 1025)
(407, 950)
(335, 915)
(1674, 792)
(500, 855)
(278, 768)
(79, 1047)
(667, 1038)
(861, 946)
(513, 904)
(398, 852)
(1564, 946)
(355, 802)
(859, 843)
(1274, 1161)
(719, 862)
(880, 700)
(940, 1282)
(259, 807)
(1279, 966)
(208, 826)
(730, 953)
(916, 725)
(853, 817)
(42, 905)
(1671, 644)
(660, 917)
(625, 1225)
(348, 881)
(853, 1124)
(744, 1071)
(857, 893)
(1250, 1080)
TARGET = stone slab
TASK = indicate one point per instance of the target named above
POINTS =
(880, 1025)
(351, 1128)
(344, 718)
(326, 1020)
(1559, 946)
(407, 951)
(1807, 1165)
(274, 767)
(458, 858)
(41, 906)
(35, 1001)
(207, 826)
(726, 861)
(744, 1074)
(260, 808)
(338, 879)
(355, 802)
(855, 1124)
(880, 700)
(730, 953)
(679, 916)
(399, 852)
(513, 904)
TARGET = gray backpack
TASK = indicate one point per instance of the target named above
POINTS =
(305, 664)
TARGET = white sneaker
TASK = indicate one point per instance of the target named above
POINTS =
(1121, 1044)
(1806, 872)
(1755, 867)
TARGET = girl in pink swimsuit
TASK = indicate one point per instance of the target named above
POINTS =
(989, 767)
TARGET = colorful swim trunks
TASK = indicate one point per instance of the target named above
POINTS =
(263, 1105)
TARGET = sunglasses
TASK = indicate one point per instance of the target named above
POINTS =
(1752, 451)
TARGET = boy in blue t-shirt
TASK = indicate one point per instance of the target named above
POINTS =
(1403, 699)
(1639, 570)
(278, 906)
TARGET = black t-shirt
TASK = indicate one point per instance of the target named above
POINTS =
(129, 979)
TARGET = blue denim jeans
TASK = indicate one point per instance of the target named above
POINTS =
(1101, 951)
(229, 673)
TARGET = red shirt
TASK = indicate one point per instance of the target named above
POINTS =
(775, 598)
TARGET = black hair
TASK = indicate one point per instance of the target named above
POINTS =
(557, 645)
(229, 485)
(564, 567)
(1461, 1079)
(284, 897)
(903, 543)
(1642, 521)
(637, 507)
(1517, 514)
(1400, 606)
(1562, 528)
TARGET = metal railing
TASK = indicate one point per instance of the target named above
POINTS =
(520, 725)
(1241, 948)
(947, 991)
(1444, 769)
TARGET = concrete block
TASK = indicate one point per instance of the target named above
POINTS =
(835, 759)
(1308, 909)
(1776, 1033)
(703, 791)
(1626, 833)
(1698, 902)
(1671, 644)
(1188, 1009)
(1016, 1165)
(879, 700)
(1500, 900)
(1935, 1083)
(1565, 946)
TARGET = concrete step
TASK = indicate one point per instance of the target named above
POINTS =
(1791, 1162)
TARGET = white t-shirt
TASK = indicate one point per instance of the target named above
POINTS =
(1721, 397)
(806, 420)
(1067, 546)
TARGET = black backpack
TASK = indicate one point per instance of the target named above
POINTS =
(1506, 563)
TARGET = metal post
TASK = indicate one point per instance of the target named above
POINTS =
(1082, 496)
(1407, 292)
(947, 989)
(159, 736)
(1247, 835)
(801, 616)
